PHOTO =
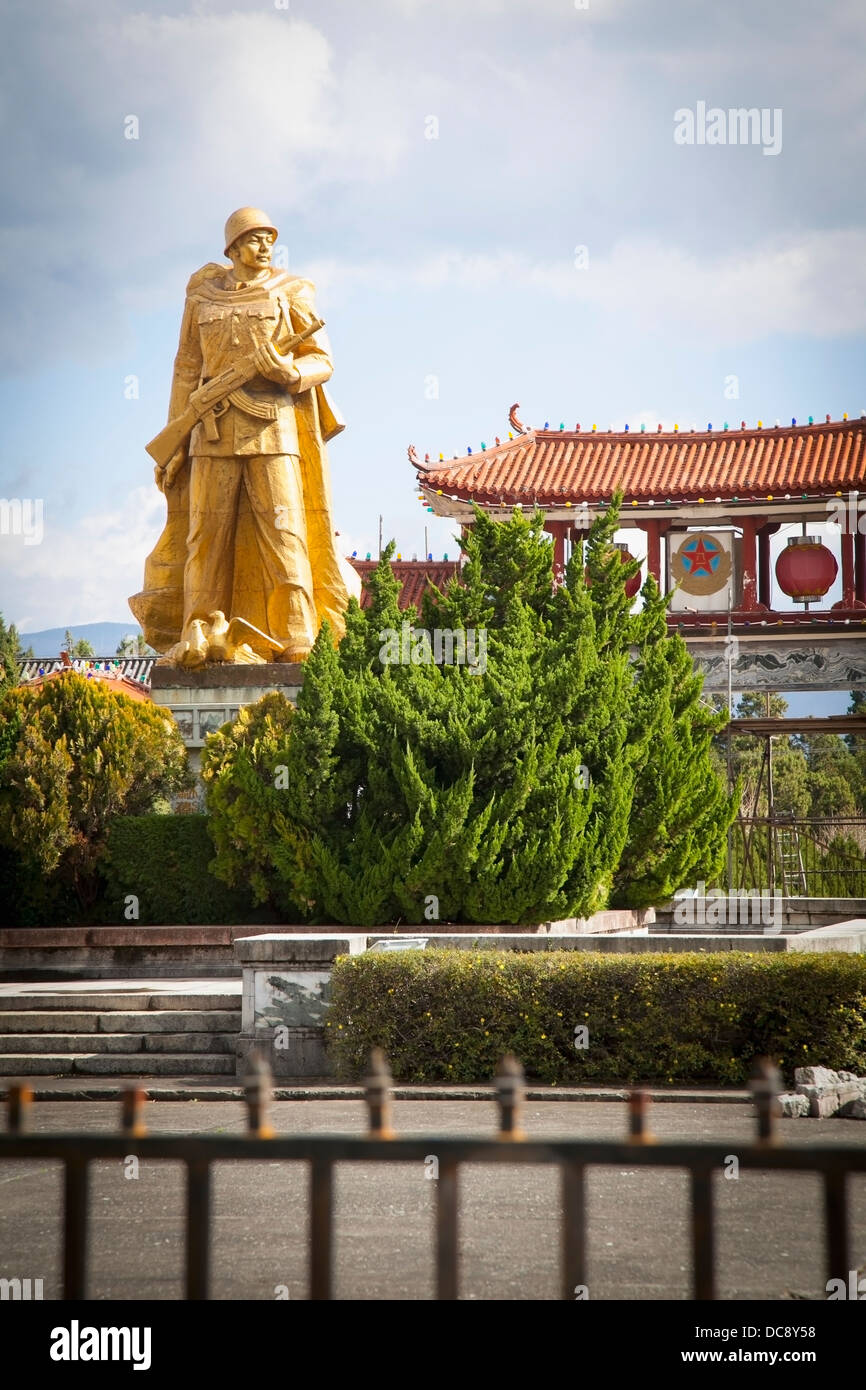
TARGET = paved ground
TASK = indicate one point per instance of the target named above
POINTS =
(769, 1226)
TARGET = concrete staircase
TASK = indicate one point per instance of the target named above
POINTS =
(141, 1031)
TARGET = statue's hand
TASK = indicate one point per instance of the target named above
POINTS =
(164, 477)
(275, 367)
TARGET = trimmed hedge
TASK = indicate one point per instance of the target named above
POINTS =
(449, 1015)
(164, 861)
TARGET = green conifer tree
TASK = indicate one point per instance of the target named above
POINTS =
(9, 648)
(680, 810)
(425, 790)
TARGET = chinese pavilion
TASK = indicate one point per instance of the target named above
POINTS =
(703, 506)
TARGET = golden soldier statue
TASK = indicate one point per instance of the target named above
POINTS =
(247, 566)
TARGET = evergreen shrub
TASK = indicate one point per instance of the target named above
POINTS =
(449, 1015)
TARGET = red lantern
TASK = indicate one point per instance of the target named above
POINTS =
(632, 585)
(806, 569)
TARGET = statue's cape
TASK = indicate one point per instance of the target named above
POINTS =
(159, 605)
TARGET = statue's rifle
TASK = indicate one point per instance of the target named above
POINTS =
(166, 444)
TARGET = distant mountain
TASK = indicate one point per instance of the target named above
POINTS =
(104, 638)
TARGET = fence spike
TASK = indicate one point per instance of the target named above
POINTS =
(18, 1100)
(638, 1117)
(258, 1093)
(766, 1084)
(132, 1103)
(378, 1095)
(510, 1095)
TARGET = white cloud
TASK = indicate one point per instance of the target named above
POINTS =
(814, 285)
(231, 109)
(83, 573)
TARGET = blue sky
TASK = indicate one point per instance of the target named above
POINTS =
(448, 258)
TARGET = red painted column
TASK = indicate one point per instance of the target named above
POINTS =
(860, 567)
(846, 541)
(764, 568)
(558, 529)
(653, 549)
(765, 588)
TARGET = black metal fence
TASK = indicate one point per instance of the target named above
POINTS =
(509, 1146)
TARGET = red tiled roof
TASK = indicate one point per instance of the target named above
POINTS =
(412, 575)
(117, 683)
(553, 466)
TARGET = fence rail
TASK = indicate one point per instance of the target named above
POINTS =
(509, 1146)
(803, 856)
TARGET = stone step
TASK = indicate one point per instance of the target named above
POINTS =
(37, 1021)
(73, 1000)
(172, 1021)
(119, 1043)
(139, 1021)
(112, 1064)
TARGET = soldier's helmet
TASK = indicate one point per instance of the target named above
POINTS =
(247, 220)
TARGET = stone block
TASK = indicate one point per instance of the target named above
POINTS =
(792, 1104)
(189, 1042)
(38, 1064)
(828, 1091)
(281, 948)
(303, 1056)
(79, 1042)
(171, 1021)
(154, 1064)
(40, 1021)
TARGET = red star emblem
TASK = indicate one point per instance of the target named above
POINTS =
(701, 558)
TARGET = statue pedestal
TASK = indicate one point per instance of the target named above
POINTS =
(201, 700)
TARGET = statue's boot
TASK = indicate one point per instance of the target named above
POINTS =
(294, 653)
